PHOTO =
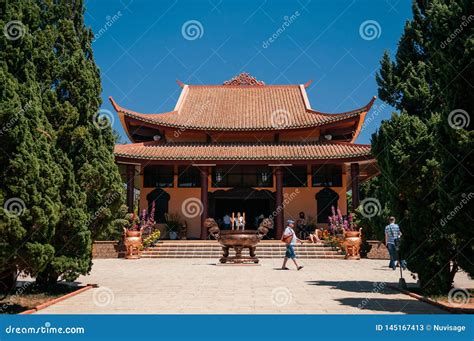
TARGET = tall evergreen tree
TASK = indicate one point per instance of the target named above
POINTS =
(30, 199)
(420, 176)
(64, 81)
(452, 24)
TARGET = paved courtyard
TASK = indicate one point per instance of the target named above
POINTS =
(200, 286)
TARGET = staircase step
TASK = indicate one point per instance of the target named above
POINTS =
(212, 249)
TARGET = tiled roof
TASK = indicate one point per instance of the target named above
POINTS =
(242, 151)
(241, 108)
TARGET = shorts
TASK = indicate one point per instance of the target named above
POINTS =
(290, 251)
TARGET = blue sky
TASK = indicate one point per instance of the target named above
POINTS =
(142, 49)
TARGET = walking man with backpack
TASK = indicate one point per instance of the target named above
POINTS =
(289, 238)
(392, 240)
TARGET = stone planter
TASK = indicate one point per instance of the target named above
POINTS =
(352, 242)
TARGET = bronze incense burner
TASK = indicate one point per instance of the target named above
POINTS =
(238, 240)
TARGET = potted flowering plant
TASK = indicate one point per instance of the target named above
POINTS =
(133, 234)
(347, 228)
(147, 220)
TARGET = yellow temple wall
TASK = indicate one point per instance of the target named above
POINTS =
(296, 199)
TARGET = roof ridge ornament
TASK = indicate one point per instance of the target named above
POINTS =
(244, 78)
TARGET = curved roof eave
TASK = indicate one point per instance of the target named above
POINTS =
(354, 114)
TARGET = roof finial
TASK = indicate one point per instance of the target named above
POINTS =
(244, 79)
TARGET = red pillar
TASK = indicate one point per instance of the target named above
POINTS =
(355, 185)
(130, 186)
(204, 199)
(279, 203)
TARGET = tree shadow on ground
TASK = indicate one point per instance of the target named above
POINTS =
(403, 306)
(358, 286)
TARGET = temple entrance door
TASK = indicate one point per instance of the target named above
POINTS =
(252, 202)
(325, 199)
(252, 208)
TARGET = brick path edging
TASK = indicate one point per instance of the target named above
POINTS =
(58, 299)
(452, 310)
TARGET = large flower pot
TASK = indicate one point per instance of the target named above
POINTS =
(133, 244)
(352, 242)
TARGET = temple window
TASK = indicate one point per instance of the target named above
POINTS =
(296, 176)
(158, 176)
(189, 176)
(327, 176)
(242, 176)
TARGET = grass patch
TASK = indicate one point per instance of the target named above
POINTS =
(28, 295)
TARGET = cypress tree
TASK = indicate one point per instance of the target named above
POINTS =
(421, 181)
(452, 24)
(53, 59)
(30, 198)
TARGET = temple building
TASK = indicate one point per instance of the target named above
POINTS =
(243, 146)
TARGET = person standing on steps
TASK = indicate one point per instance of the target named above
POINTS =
(226, 221)
(290, 239)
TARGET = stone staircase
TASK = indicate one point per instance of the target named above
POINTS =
(212, 249)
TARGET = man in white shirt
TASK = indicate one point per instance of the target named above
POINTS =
(290, 245)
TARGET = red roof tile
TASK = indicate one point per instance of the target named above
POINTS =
(241, 108)
(242, 151)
